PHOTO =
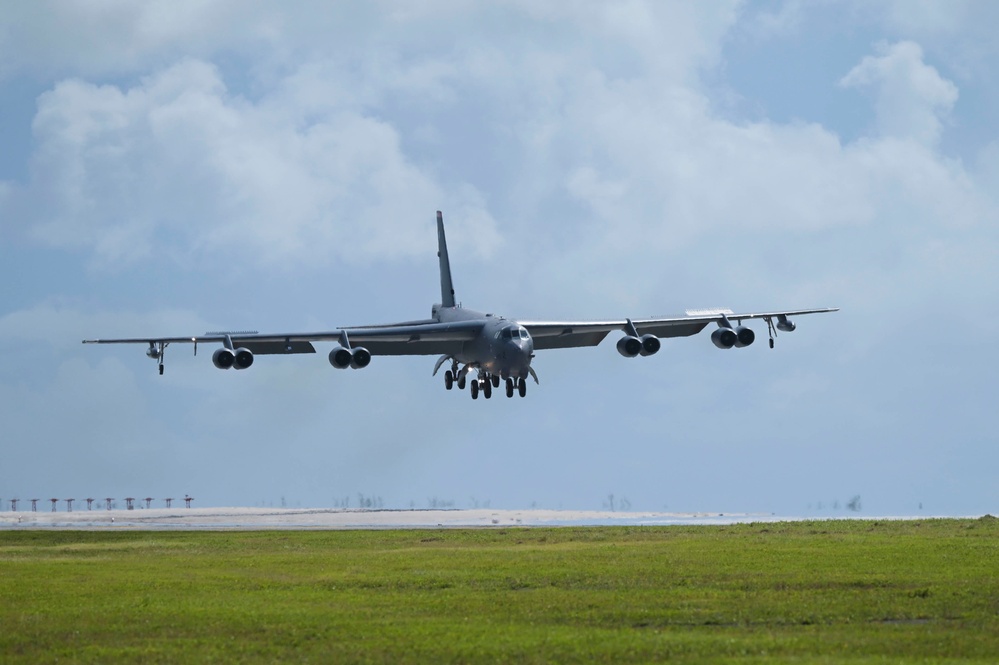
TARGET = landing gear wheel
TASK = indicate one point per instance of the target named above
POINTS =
(461, 382)
(771, 342)
(509, 387)
(487, 388)
(475, 389)
(522, 387)
(495, 379)
(448, 380)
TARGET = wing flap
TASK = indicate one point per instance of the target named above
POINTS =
(570, 334)
(567, 338)
(413, 348)
(274, 348)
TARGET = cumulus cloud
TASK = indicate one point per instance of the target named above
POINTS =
(912, 99)
(177, 164)
(322, 163)
(594, 112)
(586, 136)
(662, 169)
(119, 37)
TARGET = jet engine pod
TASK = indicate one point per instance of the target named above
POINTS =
(744, 336)
(724, 338)
(223, 358)
(242, 359)
(629, 346)
(359, 358)
(340, 357)
(650, 344)
(784, 324)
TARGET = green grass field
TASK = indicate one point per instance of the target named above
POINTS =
(828, 592)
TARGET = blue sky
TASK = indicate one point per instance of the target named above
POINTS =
(176, 167)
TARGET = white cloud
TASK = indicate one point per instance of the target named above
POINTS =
(587, 133)
(178, 164)
(345, 157)
(913, 99)
(101, 37)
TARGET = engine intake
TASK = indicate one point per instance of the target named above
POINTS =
(223, 358)
(650, 344)
(724, 338)
(356, 358)
(744, 336)
(629, 346)
(360, 358)
(340, 357)
(242, 358)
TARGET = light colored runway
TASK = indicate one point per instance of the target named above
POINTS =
(278, 518)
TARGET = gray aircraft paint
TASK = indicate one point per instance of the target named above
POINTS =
(496, 348)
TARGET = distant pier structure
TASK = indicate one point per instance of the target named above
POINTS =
(108, 503)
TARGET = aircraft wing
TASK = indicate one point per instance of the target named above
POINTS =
(411, 338)
(571, 334)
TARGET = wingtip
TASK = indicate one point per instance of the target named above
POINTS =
(440, 216)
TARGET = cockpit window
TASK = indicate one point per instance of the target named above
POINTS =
(514, 333)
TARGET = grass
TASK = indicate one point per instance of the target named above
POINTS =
(828, 592)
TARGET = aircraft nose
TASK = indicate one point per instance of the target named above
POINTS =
(523, 348)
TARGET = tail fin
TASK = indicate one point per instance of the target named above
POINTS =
(447, 287)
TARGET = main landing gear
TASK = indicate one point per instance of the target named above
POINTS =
(454, 376)
(483, 384)
(519, 383)
(486, 384)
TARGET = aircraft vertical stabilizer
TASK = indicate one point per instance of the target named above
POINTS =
(447, 287)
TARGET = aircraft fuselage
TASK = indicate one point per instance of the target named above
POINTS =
(502, 347)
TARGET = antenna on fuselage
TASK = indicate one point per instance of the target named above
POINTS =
(447, 287)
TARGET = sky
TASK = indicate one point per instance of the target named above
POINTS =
(170, 168)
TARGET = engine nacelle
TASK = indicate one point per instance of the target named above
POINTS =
(340, 357)
(242, 358)
(744, 336)
(724, 338)
(650, 344)
(784, 324)
(629, 346)
(360, 358)
(223, 358)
